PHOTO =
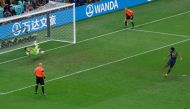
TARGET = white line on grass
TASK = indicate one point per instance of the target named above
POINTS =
(12, 60)
(102, 65)
(186, 12)
(2, 93)
(162, 33)
(100, 36)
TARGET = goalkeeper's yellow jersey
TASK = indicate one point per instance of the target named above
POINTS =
(34, 51)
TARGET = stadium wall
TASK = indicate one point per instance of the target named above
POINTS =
(82, 12)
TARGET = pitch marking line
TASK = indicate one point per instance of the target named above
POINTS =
(102, 65)
(162, 33)
(2, 93)
(100, 36)
(165, 18)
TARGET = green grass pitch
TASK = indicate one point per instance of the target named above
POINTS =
(110, 67)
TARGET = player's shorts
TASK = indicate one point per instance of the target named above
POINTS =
(171, 63)
(40, 80)
(129, 17)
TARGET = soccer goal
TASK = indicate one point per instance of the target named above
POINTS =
(52, 22)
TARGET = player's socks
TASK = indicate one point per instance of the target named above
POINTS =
(36, 89)
(132, 25)
(166, 75)
(43, 90)
(169, 70)
(126, 23)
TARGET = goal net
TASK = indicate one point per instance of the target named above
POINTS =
(52, 22)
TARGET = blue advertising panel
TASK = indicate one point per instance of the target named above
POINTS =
(104, 7)
(65, 16)
(35, 24)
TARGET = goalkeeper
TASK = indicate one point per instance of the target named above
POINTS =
(33, 51)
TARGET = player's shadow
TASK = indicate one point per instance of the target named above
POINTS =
(38, 58)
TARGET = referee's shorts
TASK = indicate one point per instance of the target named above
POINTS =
(129, 17)
(40, 80)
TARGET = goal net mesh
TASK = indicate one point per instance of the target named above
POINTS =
(51, 22)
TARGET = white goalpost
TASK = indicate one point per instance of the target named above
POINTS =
(52, 22)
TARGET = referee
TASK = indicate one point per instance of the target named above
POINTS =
(129, 17)
(39, 73)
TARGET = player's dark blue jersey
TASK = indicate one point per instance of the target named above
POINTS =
(172, 59)
(173, 56)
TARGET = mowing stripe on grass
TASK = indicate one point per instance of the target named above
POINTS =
(101, 36)
(102, 65)
(162, 33)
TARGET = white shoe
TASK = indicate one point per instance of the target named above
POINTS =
(43, 94)
(166, 75)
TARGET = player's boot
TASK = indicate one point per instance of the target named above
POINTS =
(43, 94)
(166, 75)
